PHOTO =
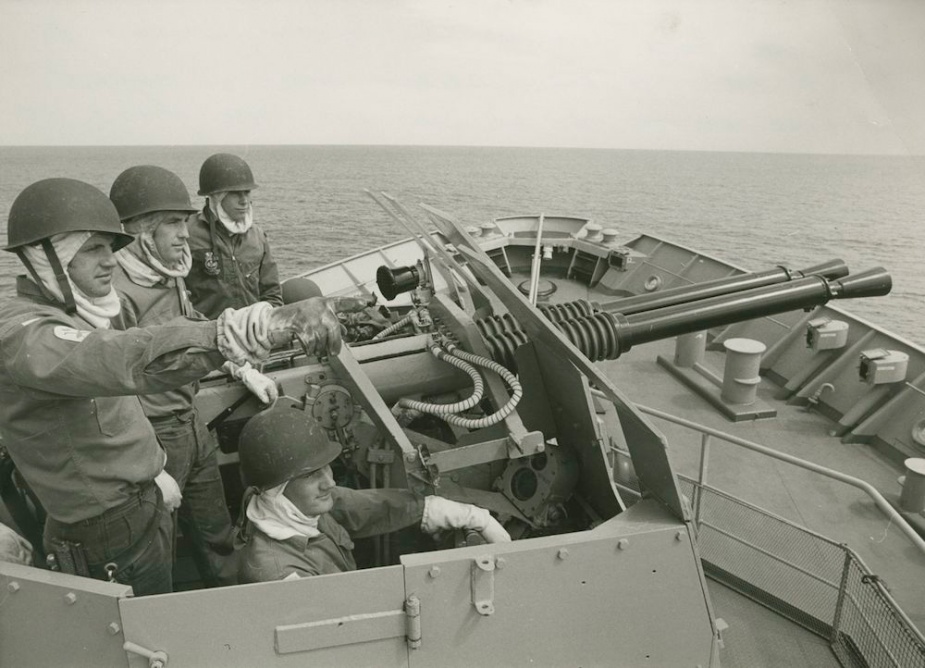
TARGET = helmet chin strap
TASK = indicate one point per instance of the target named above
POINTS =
(70, 306)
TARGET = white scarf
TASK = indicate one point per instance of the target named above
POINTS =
(233, 227)
(98, 311)
(143, 265)
(277, 516)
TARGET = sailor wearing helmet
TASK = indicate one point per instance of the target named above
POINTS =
(153, 204)
(297, 522)
(231, 261)
(68, 417)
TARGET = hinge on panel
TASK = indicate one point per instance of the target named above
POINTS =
(482, 574)
(413, 618)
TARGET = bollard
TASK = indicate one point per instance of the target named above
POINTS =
(593, 233)
(912, 498)
(488, 229)
(609, 236)
(689, 349)
(740, 375)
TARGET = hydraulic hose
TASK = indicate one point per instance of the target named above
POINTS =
(445, 410)
(393, 327)
(507, 376)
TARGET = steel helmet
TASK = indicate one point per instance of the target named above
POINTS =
(298, 288)
(146, 189)
(53, 206)
(223, 172)
(282, 443)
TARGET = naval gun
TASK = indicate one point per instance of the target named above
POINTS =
(587, 572)
(582, 332)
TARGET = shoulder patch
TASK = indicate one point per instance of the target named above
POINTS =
(71, 334)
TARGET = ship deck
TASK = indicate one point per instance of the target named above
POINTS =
(834, 509)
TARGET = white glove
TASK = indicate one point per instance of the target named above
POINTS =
(440, 513)
(243, 334)
(170, 490)
(14, 548)
(260, 386)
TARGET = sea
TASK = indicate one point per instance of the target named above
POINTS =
(756, 210)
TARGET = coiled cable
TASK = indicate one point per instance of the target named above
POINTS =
(445, 410)
(507, 376)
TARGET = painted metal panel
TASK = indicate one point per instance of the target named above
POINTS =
(628, 593)
(574, 415)
(54, 619)
(270, 624)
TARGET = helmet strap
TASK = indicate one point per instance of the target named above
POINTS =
(242, 523)
(70, 306)
(35, 276)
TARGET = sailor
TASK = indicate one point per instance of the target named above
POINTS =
(299, 523)
(231, 261)
(68, 415)
(153, 204)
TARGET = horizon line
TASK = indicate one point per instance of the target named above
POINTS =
(471, 146)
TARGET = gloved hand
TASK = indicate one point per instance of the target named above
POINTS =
(440, 513)
(242, 333)
(247, 334)
(14, 548)
(170, 490)
(313, 321)
(260, 386)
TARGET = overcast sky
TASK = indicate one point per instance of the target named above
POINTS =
(827, 76)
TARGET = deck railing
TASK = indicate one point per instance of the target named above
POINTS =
(817, 583)
(708, 433)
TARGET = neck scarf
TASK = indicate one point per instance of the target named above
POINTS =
(98, 311)
(233, 227)
(278, 517)
(143, 265)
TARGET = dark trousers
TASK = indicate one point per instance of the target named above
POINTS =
(192, 460)
(134, 536)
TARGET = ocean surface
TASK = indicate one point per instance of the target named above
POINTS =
(756, 210)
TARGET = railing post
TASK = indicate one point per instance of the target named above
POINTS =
(842, 594)
(702, 478)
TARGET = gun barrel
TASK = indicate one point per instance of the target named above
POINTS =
(726, 309)
(605, 335)
(832, 269)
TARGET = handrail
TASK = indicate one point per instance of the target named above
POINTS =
(866, 487)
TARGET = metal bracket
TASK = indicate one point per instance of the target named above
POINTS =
(482, 574)
(156, 659)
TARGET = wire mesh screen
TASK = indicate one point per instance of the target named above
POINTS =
(870, 630)
(817, 583)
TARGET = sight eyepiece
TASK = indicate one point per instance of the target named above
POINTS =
(393, 282)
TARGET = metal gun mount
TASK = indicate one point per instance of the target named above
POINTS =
(546, 466)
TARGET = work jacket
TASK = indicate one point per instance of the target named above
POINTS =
(69, 417)
(356, 514)
(143, 306)
(229, 270)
